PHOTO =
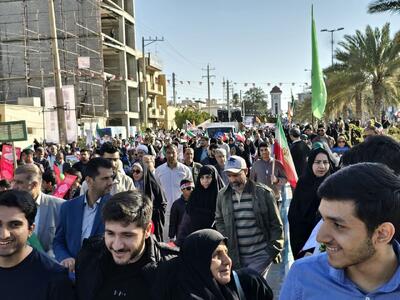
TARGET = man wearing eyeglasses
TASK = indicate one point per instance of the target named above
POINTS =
(178, 208)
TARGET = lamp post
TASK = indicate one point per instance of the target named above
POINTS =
(332, 31)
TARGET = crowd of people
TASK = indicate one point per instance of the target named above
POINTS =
(168, 216)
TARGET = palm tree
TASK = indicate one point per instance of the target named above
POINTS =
(367, 61)
(383, 6)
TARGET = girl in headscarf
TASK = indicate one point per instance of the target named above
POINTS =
(203, 271)
(137, 175)
(200, 210)
(303, 211)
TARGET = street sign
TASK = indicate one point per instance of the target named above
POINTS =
(13, 131)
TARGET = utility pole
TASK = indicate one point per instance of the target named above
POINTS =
(173, 89)
(208, 76)
(62, 128)
(144, 84)
(243, 108)
(332, 41)
(227, 100)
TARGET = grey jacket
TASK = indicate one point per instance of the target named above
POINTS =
(48, 220)
(267, 218)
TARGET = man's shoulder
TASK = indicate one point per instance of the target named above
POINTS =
(49, 199)
(48, 265)
(314, 264)
(73, 203)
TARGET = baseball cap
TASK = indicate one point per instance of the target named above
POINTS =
(235, 164)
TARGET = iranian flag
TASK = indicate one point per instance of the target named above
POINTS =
(282, 153)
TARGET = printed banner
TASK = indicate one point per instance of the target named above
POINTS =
(7, 162)
(51, 120)
(70, 113)
(64, 186)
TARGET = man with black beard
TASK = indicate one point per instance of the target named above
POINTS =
(121, 265)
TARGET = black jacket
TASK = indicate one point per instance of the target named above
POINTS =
(299, 151)
(94, 262)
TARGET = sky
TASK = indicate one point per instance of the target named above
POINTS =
(264, 42)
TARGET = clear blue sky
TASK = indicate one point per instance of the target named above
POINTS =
(252, 41)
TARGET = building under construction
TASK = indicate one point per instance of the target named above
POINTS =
(96, 41)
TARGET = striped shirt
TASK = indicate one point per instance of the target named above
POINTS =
(251, 239)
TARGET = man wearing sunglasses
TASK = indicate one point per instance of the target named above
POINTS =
(178, 208)
(323, 137)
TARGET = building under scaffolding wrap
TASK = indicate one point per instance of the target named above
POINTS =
(103, 31)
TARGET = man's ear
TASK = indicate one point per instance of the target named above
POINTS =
(31, 229)
(384, 233)
(147, 232)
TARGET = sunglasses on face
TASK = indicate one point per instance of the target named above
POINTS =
(136, 171)
(189, 188)
(339, 142)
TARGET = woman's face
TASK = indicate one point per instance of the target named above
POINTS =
(321, 165)
(137, 173)
(221, 264)
(205, 180)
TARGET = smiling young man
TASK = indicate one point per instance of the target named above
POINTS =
(122, 264)
(360, 208)
(26, 273)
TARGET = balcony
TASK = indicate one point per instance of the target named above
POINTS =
(154, 88)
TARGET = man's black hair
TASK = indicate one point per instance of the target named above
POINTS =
(377, 148)
(22, 200)
(108, 148)
(128, 207)
(5, 184)
(373, 187)
(49, 176)
(264, 144)
(92, 168)
(28, 151)
(184, 181)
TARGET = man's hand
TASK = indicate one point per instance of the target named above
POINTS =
(274, 180)
(69, 263)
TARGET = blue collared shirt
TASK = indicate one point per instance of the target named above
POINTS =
(89, 214)
(314, 278)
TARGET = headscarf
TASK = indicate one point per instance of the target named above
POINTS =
(206, 198)
(195, 279)
(304, 205)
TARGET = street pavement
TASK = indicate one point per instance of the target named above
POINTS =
(277, 272)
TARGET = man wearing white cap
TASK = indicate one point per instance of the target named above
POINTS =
(247, 215)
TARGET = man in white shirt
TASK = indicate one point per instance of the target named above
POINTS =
(169, 176)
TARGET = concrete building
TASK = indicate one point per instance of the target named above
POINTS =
(276, 108)
(97, 55)
(156, 102)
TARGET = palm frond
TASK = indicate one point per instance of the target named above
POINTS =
(384, 6)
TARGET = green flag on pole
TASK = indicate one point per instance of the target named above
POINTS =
(318, 85)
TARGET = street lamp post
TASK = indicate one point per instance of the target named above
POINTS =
(332, 42)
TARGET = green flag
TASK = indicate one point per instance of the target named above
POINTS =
(318, 85)
(34, 242)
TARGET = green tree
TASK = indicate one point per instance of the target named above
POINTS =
(255, 101)
(191, 115)
(384, 6)
(235, 100)
(367, 63)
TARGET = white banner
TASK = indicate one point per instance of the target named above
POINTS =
(51, 121)
(70, 113)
